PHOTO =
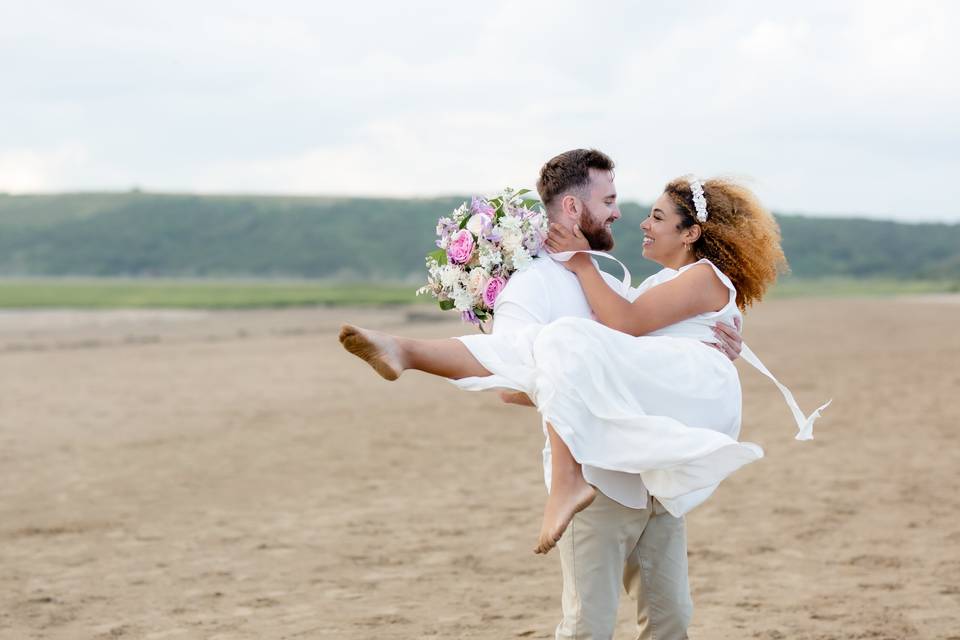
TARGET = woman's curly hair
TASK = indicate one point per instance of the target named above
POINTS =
(739, 236)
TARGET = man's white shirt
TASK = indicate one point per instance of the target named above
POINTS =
(544, 292)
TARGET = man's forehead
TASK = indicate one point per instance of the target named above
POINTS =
(603, 179)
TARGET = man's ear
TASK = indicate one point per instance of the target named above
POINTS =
(570, 208)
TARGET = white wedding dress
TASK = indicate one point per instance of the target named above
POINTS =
(665, 406)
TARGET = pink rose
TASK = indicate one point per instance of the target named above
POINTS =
(492, 290)
(460, 247)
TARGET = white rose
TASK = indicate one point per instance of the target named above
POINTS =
(477, 222)
(477, 282)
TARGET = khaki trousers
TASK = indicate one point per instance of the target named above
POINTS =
(608, 544)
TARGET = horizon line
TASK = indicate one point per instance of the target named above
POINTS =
(437, 196)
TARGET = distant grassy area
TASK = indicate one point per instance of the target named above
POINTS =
(226, 294)
(195, 294)
(855, 288)
(157, 235)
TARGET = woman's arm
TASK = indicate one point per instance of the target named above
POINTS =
(696, 291)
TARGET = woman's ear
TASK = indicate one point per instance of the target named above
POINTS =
(692, 234)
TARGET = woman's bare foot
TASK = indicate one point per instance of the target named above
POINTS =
(379, 350)
(569, 495)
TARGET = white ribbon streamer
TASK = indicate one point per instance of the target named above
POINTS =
(804, 423)
(563, 256)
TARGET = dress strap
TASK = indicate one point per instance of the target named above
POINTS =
(563, 256)
(804, 423)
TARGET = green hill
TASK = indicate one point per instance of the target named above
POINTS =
(170, 235)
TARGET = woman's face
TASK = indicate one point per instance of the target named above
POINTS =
(663, 241)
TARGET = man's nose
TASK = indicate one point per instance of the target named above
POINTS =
(616, 213)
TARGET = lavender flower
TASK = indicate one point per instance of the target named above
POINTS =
(481, 205)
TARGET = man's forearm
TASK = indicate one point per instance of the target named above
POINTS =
(516, 397)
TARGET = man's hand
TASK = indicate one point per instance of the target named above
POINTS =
(516, 397)
(731, 342)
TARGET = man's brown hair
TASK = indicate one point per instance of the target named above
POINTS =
(570, 172)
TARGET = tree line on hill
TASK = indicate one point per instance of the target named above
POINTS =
(161, 235)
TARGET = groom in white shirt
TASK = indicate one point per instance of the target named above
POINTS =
(624, 536)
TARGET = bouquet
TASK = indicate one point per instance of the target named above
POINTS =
(480, 246)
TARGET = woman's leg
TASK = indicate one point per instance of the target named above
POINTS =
(569, 493)
(392, 355)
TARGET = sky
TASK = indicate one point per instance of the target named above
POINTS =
(822, 107)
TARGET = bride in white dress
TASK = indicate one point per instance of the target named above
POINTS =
(638, 391)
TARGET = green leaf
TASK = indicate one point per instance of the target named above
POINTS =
(440, 255)
(529, 202)
(445, 305)
(521, 192)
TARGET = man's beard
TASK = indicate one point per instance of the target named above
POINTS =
(597, 234)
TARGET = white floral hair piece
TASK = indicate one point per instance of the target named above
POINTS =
(699, 200)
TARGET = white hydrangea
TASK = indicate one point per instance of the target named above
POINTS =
(512, 240)
(490, 258)
(521, 259)
(509, 223)
(462, 300)
(449, 275)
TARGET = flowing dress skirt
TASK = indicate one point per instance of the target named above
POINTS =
(667, 408)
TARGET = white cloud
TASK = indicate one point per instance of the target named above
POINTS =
(28, 170)
(432, 97)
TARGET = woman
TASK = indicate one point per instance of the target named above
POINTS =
(637, 391)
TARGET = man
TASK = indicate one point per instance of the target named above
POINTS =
(624, 535)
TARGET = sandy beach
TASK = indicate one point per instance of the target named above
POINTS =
(236, 475)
